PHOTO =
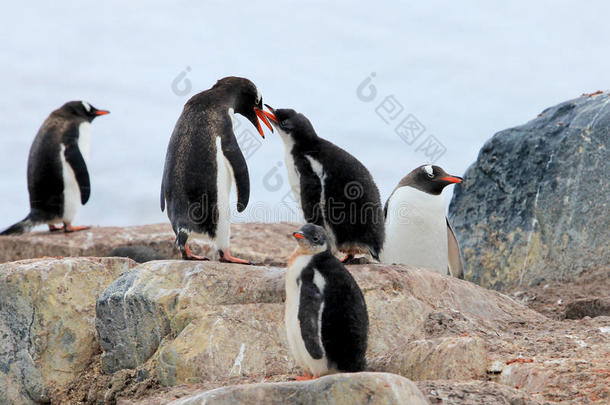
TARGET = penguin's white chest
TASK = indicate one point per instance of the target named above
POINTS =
(291, 318)
(291, 170)
(416, 230)
(71, 192)
(224, 181)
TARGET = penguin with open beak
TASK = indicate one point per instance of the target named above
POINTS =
(204, 160)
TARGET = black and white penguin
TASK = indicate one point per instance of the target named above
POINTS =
(325, 312)
(58, 179)
(203, 160)
(332, 187)
(417, 231)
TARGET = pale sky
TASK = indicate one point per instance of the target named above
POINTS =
(463, 70)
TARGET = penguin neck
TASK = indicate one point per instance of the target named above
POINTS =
(300, 251)
(300, 143)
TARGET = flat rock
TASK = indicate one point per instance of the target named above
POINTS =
(337, 389)
(534, 206)
(447, 358)
(47, 311)
(260, 243)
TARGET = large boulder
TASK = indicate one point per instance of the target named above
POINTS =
(258, 242)
(190, 322)
(47, 333)
(534, 206)
(337, 389)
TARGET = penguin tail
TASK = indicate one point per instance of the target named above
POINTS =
(374, 253)
(181, 237)
(25, 225)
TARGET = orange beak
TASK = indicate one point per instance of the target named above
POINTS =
(261, 115)
(102, 112)
(452, 179)
(270, 114)
(298, 235)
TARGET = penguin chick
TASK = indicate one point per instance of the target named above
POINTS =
(325, 312)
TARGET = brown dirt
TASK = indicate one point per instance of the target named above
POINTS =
(551, 299)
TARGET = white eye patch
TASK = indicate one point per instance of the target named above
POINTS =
(428, 169)
(86, 105)
(259, 96)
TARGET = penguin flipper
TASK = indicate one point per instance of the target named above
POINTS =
(385, 208)
(456, 267)
(309, 312)
(231, 151)
(163, 193)
(77, 162)
(311, 192)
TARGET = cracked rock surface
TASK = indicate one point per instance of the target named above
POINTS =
(534, 206)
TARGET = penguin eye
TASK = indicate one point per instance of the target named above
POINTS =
(315, 239)
(431, 175)
(284, 123)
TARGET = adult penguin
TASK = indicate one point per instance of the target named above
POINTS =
(58, 177)
(203, 160)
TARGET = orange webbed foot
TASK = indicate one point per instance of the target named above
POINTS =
(225, 256)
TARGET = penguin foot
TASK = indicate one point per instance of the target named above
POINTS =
(347, 258)
(187, 254)
(70, 228)
(53, 228)
(225, 256)
(305, 377)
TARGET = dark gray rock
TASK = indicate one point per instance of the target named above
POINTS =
(130, 326)
(534, 206)
(137, 253)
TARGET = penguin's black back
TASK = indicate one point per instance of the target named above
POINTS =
(189, 178)
(45, 173)
(357, 216)
(345, 321)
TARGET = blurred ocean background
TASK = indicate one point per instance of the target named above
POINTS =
(397, 85)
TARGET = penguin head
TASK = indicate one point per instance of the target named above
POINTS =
(80, 109)
(248, 100)
(431, 179)
(312, 239)
(290, 123)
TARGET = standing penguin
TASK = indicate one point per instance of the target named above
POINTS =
(332, 187)
(58, 179)
(325, 315)
(417, 231)
(203, 160)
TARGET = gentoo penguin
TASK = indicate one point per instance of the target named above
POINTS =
(326, 317)
(332, 187)
(58, 179)
(203, 160)
(417, 230)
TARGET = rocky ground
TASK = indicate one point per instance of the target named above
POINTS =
(101, 330)
(585, 295)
